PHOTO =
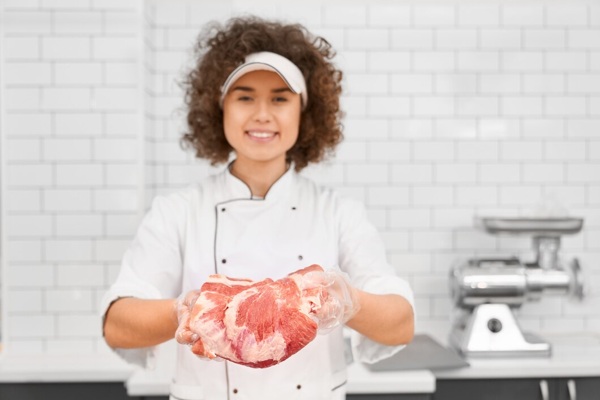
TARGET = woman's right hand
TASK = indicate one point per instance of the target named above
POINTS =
(184, 305)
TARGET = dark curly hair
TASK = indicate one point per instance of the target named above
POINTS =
(221, 48)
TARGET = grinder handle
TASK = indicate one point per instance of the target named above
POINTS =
(578, 285)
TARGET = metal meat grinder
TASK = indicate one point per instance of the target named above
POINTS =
(486, 290)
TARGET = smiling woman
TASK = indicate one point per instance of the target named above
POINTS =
(261, 116)
(268, 94)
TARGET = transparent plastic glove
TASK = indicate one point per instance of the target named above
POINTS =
(335, 299)
(184, 335)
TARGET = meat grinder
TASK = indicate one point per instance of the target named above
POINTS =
(486, 291)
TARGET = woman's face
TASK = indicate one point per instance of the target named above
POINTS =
(261, 118)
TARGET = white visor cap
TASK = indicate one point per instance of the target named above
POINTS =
(267, 61)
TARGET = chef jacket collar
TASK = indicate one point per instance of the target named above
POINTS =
(237, 189)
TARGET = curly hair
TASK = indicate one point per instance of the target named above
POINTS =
(222, 48)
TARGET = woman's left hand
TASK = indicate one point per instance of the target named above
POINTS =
(338, 299)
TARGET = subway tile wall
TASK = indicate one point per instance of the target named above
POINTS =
(453, 109)
(71, 196)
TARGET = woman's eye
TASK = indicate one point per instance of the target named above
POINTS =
(280, 99)
(244, 98)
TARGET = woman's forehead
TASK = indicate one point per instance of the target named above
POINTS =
(260, 79)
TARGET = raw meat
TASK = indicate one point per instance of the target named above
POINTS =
(257, 324)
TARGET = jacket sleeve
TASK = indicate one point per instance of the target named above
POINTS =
(363, 257)
(151, 267)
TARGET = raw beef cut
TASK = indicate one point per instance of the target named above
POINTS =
(256, 323)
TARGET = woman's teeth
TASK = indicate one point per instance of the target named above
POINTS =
(261, 135)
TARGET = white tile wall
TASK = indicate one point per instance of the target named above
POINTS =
(453, 109)
(71, 189)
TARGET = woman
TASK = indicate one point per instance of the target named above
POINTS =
(267, 93)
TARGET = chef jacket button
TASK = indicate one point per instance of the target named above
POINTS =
(300, 257)
(223, 209)
(298, 386)
(223, 261)
(293, 208)
(235, 391)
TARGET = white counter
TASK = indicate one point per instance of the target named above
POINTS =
(361, 380)
(574, 355)
(63, 369)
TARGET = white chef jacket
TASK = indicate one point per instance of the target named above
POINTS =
(217, 227)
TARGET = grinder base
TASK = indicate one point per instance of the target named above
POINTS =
(491, 330)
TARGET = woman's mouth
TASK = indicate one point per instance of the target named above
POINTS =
(262, 136)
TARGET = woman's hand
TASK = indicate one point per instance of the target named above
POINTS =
(184, 335)
(337, 300)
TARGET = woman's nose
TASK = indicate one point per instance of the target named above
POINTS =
(263, 111)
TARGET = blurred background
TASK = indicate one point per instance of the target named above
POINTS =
(454, 109)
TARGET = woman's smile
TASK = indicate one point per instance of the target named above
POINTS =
(261, 135)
